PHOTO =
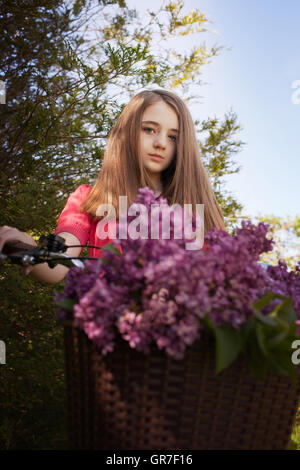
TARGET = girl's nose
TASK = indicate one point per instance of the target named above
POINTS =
(160, 141)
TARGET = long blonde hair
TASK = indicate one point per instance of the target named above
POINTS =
(122, 173)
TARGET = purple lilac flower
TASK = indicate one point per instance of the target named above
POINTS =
(78, 282)
(284, 282)
(222, 282)
(97, 312)
(256, 238)
(157, 292)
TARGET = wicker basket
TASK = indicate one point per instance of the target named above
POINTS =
(131, 401)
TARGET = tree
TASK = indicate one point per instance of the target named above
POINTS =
(67, 80)
(285, 231)
(217, 147)
(68, 68)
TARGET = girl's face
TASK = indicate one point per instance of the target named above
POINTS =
(158, 135)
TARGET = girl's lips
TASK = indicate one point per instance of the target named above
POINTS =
(156, 157)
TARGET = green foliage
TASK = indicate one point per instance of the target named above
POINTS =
(295, 437)
(228, 346)
(32, 385)
(266, 340)
(285, 231)
(218, 144)
(65, 91)
(194, 17)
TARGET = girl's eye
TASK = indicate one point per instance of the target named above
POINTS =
(148, 129)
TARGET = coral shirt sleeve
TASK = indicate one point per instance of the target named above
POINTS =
(72, 220)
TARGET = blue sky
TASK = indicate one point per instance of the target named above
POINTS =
(254, 79)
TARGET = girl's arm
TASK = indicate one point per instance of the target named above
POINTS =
(42, 272)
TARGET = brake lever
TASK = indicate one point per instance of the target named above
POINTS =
(65, 260)
(39, 256)
(50, 252)
(23, 258)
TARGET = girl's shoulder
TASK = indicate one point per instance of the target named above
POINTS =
(75, 200)
(82, 191)
(72, 219)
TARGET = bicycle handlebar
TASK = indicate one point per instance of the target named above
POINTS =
(51, 252)
(15, 246)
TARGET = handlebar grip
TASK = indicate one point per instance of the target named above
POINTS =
(15, 246)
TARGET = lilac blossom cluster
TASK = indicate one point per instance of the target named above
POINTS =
(287, 283)
(158, 293)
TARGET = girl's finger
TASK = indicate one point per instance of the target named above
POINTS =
(27, 270)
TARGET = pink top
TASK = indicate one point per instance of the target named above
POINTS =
(80, 224)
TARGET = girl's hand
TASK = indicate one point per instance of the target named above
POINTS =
(12, 234)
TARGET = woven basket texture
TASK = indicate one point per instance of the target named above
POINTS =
(128, 400)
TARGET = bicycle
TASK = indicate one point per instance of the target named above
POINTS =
(51, 251)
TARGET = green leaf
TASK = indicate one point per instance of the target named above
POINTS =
(276, 340)
(258, 364)
(67, 304)
(270, 346)
(261, 338)
(228, 346)
(208, 323)
(248, 330)
(283, 311)
(286, 311)
(110, 247)
(281, 363)
(265, 319)
(264, 301)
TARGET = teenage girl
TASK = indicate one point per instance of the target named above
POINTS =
(153, 143)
